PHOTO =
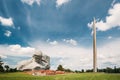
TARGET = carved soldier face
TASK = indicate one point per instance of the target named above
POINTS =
(37, 58)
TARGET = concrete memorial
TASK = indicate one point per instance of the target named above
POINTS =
(39, 61)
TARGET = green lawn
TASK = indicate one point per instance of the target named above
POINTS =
(73, 76)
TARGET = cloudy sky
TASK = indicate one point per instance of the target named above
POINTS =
(61, 29)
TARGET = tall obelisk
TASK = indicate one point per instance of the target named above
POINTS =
(94, 48)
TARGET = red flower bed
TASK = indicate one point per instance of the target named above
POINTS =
(44, 72)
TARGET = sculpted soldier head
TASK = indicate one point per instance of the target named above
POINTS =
(37, 56)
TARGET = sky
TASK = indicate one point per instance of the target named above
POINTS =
(61, 29)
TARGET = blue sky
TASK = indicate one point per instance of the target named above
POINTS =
(60, 29)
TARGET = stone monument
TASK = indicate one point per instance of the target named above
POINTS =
(39, 61)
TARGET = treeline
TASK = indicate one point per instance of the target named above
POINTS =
(60, 68)
(6, 68)
(106, 70)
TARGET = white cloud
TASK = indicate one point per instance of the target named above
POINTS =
(7, 33)
(109, 53)
(70, 57)
(111, 21)
(81, 57)
(14, 53)
(70, 41)
(113, 2)
(30, 2)
(16, 50)
(48, 40)
(109, 37)
(21, 50)
(53, 43)
(18, 27)
(61, 2)
(2, 56)
(6, 21)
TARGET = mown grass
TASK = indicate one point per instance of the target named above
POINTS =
(72, 76)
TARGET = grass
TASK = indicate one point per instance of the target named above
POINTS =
(72, 76)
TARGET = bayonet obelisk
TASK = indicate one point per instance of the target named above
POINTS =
(94, 48)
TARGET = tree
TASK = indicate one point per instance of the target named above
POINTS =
(109, 70)
(76, 71)
(7, 68)
(115, 69)
(89, 70)
(1, 67)
(60, 68)
(13, 70)
(68, 70)
(82, 71)
(118, 70)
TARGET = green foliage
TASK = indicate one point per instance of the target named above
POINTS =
(68, 70)
(106, 70)
(7, 68)
(76, 71)
(60, 68)
(1, 67)
(82, 70)
(71, 76)
(13, 70)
